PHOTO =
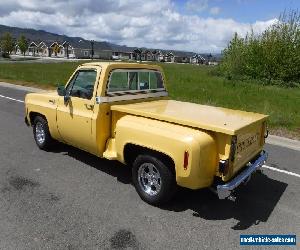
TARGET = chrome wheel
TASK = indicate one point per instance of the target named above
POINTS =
(40, 133)
(149, 179)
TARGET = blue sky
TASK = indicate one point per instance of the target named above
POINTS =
(202, 26)
(241, 10)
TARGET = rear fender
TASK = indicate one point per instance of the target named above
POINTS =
(172, 140)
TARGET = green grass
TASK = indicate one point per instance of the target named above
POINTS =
(190, 83)
(45, 74)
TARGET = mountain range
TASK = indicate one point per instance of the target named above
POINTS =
(42, 35)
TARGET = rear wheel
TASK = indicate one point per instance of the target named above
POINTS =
(41, 133)
(153, 179)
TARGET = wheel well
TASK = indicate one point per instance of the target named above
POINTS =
(131, 151)
(33, 115)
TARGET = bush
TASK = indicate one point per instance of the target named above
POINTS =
(273, 56)
(4, 55)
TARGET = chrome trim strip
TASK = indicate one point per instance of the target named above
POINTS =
(225, 190)
(123, 92)
(108, 99)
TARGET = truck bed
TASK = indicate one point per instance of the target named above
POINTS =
(205, 117)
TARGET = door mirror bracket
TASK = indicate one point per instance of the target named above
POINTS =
(66, 99)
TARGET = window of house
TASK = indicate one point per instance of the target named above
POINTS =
(85, 53)
(134, 81)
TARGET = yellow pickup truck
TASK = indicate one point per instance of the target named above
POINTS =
(121, 111)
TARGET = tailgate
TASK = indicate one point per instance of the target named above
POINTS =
(250, 142)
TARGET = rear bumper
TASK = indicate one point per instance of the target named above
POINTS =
(225, 190)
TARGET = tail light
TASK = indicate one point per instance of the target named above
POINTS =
(186, 160)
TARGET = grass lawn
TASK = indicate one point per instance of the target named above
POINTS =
(188, 83)
(44, 75)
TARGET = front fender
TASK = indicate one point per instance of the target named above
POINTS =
(38, 103)
(172, 140)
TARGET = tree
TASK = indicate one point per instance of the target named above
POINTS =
(23, 44)
(272, 57)
(7, 43)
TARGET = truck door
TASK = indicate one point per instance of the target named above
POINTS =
(74, 115)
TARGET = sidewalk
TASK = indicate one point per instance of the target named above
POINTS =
(283, 142)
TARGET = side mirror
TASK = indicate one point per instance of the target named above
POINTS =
(61, 91)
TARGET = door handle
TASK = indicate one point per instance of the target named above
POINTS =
(52, 101)
(89, 106)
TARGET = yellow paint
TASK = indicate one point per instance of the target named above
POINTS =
(167, 126)
(216, 119)
(172, 140)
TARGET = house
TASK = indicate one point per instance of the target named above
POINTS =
(146, 55)
(43, 49)
(90, 49)
(122, 55)
(180, 56)
(160, 56)
(32, 49)
(137, 54)
(79, 48)
(122, 52)
(197, 59)
(68, 49)
(168, 57)
(155, 55)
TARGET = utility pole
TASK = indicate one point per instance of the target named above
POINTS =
(92, 52)
(67, 49)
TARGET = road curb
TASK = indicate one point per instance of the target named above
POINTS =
(272, 139)
(20, 87)
(283, 142)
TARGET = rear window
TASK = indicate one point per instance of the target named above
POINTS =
(135, 81)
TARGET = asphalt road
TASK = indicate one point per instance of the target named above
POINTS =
(69, 199)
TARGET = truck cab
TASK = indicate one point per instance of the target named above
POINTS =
(122, 111)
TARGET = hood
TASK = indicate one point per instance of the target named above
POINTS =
(45, 94)
(40, 98)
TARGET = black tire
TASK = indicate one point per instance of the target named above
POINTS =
(167, 179)
(40, 125)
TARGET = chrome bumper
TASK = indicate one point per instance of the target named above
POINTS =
(225, 190)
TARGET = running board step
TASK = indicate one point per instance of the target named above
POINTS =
(110, 152)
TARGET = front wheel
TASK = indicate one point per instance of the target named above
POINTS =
(153, 179)
(41, 133)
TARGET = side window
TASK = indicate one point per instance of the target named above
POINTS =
(82, 85)
(144, 80)
(156, 81)
(134, 80)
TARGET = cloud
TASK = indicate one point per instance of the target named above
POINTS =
(153, 24)
(196, 5)
(214, 10)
